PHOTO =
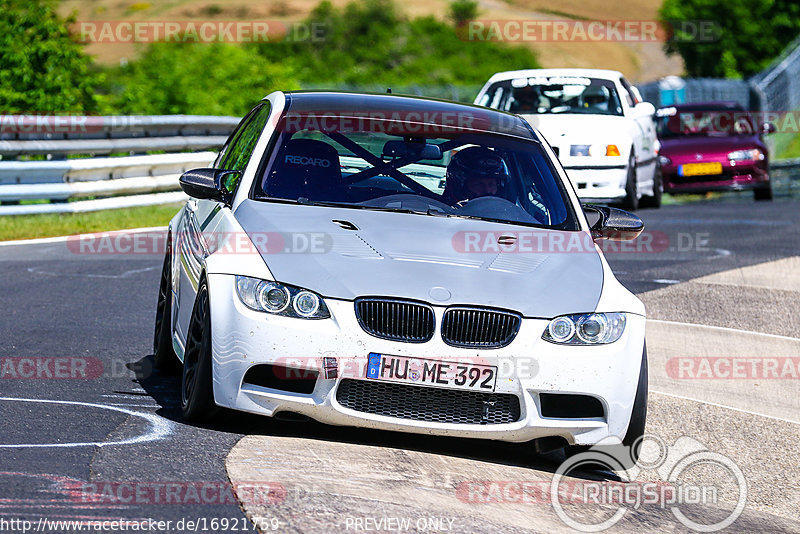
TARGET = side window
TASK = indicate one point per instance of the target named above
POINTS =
(224, 151)
(237, 154)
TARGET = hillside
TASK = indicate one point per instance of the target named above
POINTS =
(639, 61)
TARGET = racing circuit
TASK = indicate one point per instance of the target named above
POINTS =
(726, 287)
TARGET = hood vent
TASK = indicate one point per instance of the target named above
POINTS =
(347, 225)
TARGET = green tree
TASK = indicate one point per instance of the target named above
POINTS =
(462, 11)
(747, 34)
(42, 68)
(195, 78)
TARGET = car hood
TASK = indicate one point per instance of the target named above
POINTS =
(578, 127)
(694, 144)
(421, 257)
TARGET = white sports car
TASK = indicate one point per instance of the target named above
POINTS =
(596, 123)
(403, 264)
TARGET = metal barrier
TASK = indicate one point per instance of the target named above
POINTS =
(131, 180)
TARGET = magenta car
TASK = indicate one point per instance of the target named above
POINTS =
(713, 146)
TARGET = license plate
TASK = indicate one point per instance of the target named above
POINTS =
(420, 371)
(699, 169)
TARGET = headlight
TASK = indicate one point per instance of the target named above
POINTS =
(280, 299)
(593, 150)
(664, 160)
(585, 329)
(579, 150)
(746, 155)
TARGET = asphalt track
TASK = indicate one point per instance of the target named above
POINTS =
(121, 430)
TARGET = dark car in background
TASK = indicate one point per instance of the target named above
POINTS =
(712, 146)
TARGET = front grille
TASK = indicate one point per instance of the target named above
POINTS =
(399, 320)
(479, 328)
(435, 405)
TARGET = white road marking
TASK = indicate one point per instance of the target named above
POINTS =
(160, 428)
(666, 281)
(721, 253)
(726, 329)
(740, 410)
(36, 270)
(61, 239)
(133, 405)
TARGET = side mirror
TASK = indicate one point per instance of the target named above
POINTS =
(644, 109)
(615, 224)
(210, 184)
(768, 128)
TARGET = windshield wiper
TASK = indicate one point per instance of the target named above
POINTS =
(492, 219)
(304, 201)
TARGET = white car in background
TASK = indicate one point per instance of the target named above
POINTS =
(596, 123)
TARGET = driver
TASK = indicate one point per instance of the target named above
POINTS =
(474, 172)
(525, 99)
(596, 97)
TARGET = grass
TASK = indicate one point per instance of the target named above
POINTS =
(58, 224)
(787, 147)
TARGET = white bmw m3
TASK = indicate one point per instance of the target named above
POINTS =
(404, 264)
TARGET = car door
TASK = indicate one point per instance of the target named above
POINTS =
(201, 217)
(645, 140)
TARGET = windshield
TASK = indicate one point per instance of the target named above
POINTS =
(711, 122)
(453, 174)
(554, 94)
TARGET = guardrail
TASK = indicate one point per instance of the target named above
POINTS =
(120, 181)
(124, 181)
(789, 163)
(785, 177)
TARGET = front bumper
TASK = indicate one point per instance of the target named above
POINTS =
(739, 178)
(528, 367)
(602, 183)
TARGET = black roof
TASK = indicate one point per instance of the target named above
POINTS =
(444, 114)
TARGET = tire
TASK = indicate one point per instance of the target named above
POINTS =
(654, 201)
(763, 193)
(164, 356)
(627, 453)
(631, 200)
(197, 388)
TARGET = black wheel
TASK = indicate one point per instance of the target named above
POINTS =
(627, 453)
(654, 201)
(163, 353)
(197, 389)
(763, 193)
(631, 200)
